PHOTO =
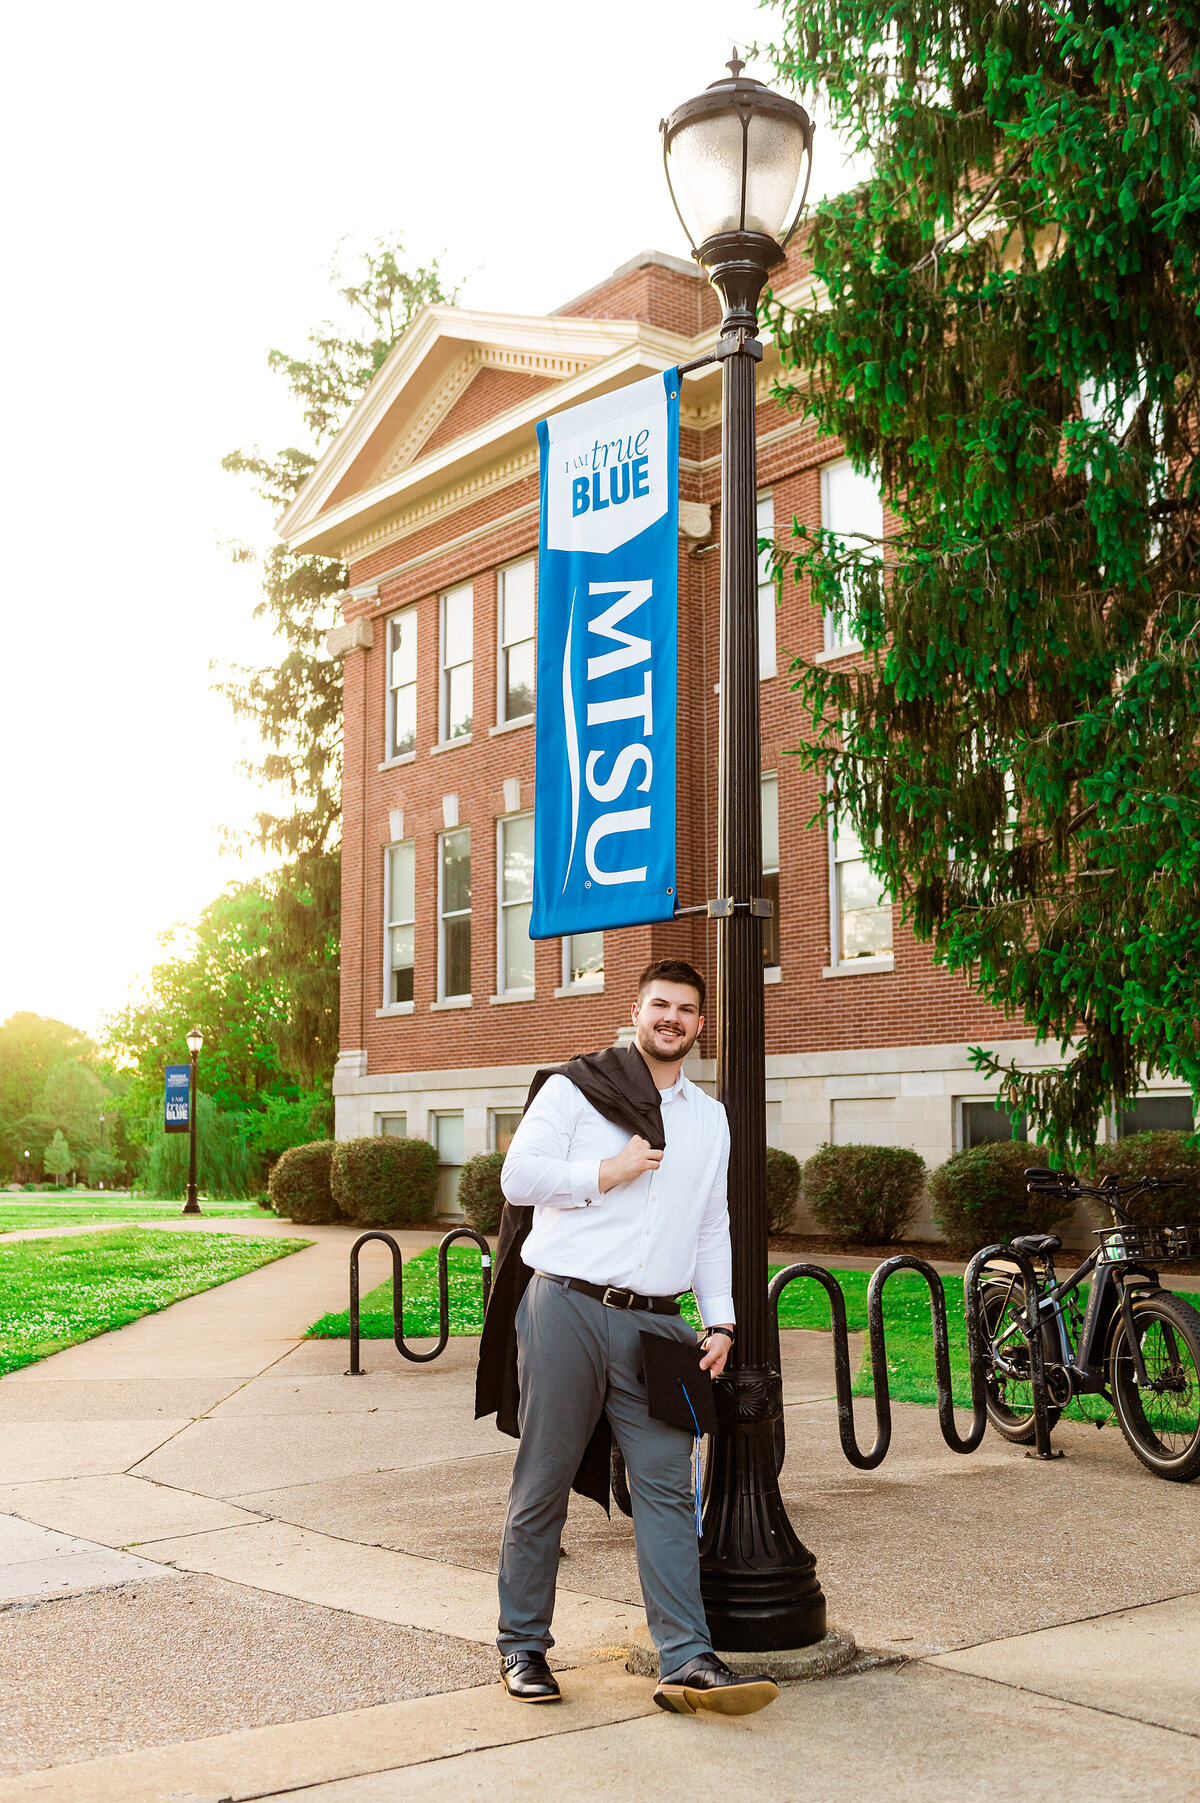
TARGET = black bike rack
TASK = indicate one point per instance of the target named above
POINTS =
(877, 1452)
(406, 1351)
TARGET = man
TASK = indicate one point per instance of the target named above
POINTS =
(620, 1227)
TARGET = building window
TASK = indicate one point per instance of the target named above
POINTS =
(504, 1123)
(449, 1142)
(454, 915)
(583, 961)
(850, 504)
(392, 1126)
(984, 1123)
(457, 607)
(767, 608)
(769, 792)
(1157, 1114)
(516, 659)
(400, 914)
(860, 906)
(515, 953)
(402, 684)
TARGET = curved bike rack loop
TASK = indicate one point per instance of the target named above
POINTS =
(405, 1351)
(877, 1452)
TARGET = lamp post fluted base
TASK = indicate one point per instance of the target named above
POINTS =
(757, 1579)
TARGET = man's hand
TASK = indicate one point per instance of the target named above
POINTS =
(639, 1155)
(716, 1351)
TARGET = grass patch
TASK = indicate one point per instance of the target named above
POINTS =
(804, 1305)
(96, 1211)
(906, 1319)
(54, 1293)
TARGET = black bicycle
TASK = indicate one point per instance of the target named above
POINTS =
(1135, 1344)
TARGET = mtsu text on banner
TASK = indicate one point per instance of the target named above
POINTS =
(176, 1098)
(608, 575)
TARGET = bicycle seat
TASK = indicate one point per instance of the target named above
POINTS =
(1037, 1245)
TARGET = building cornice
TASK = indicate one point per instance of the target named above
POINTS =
(430, 368)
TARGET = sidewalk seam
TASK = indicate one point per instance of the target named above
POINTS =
(1053, 1696)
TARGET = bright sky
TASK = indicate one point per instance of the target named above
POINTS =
(177, 182)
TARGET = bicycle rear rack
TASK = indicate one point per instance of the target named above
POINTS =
(877, 1452)
(405, 1351)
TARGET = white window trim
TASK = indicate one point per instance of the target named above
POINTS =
(390, 760)
(766, 673)
(773, 973)
(960, 1132)
(390, 1007)
(586, 986)
(503, 722)
(397, 1114)
(444, 742)
(503, 992)
(831, 651)
(837, 966)
(444, 1000)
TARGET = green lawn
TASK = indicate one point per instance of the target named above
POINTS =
(56, 1292)
(907, 1327)
(95, 1210)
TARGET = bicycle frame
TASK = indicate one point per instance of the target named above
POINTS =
(1117, 1282)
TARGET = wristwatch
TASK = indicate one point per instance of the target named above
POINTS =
(729, 1333)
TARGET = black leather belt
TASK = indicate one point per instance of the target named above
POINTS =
(613, 1297)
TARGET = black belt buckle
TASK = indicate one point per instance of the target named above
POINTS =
(609, 1298)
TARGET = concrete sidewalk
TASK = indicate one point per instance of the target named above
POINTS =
(310, 1600)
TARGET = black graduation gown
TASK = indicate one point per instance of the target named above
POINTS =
(618, 1084)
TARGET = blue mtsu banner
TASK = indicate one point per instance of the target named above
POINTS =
(176, 1098)
(608, 577)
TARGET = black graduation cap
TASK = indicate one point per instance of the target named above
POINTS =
(674, 1381)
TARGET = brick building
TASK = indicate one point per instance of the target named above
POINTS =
(430, 495)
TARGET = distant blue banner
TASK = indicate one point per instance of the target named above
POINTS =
(177, 1098)
(608, 580)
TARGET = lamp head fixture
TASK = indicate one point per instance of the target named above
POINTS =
(738, 159)
(195, 1040)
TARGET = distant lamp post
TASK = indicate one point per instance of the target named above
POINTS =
(738, 159)
(195, 1040)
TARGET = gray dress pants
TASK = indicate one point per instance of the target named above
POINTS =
(576, 1357)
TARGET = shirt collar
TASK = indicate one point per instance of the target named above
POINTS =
(679, 1091)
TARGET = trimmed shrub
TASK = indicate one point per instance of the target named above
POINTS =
(299, 1184)
(979, 1196)
(385, 1182)
(783, 1189)
(1153, 1155)
(479, 1194)
(863, 1195)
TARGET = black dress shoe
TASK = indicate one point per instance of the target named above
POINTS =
(528, 1678)
(706, 1682)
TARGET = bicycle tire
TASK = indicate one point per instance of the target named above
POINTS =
(999, 1303)
(1161, 1425)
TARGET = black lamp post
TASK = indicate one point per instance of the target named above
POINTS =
(195, 1040)
(737, 157)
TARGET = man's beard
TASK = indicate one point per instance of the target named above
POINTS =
(661, 1053)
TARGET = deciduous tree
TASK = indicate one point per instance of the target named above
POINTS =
(297, 703)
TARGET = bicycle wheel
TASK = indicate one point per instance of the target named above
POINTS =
(1160, 1420)
(1006, 1365)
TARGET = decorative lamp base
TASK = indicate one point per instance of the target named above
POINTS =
(757, 1580)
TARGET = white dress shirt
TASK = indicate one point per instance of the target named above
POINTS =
(664, 1232)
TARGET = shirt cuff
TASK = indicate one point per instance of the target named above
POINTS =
(716, 1309)
(585, 1184)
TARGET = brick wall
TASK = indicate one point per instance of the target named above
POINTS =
(913, 1005)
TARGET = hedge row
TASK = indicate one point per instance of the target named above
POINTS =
(377, 1182)
(859, 1195)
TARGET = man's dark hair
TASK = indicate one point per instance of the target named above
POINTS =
(671, 970)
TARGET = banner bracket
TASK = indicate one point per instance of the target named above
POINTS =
(758, 906)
